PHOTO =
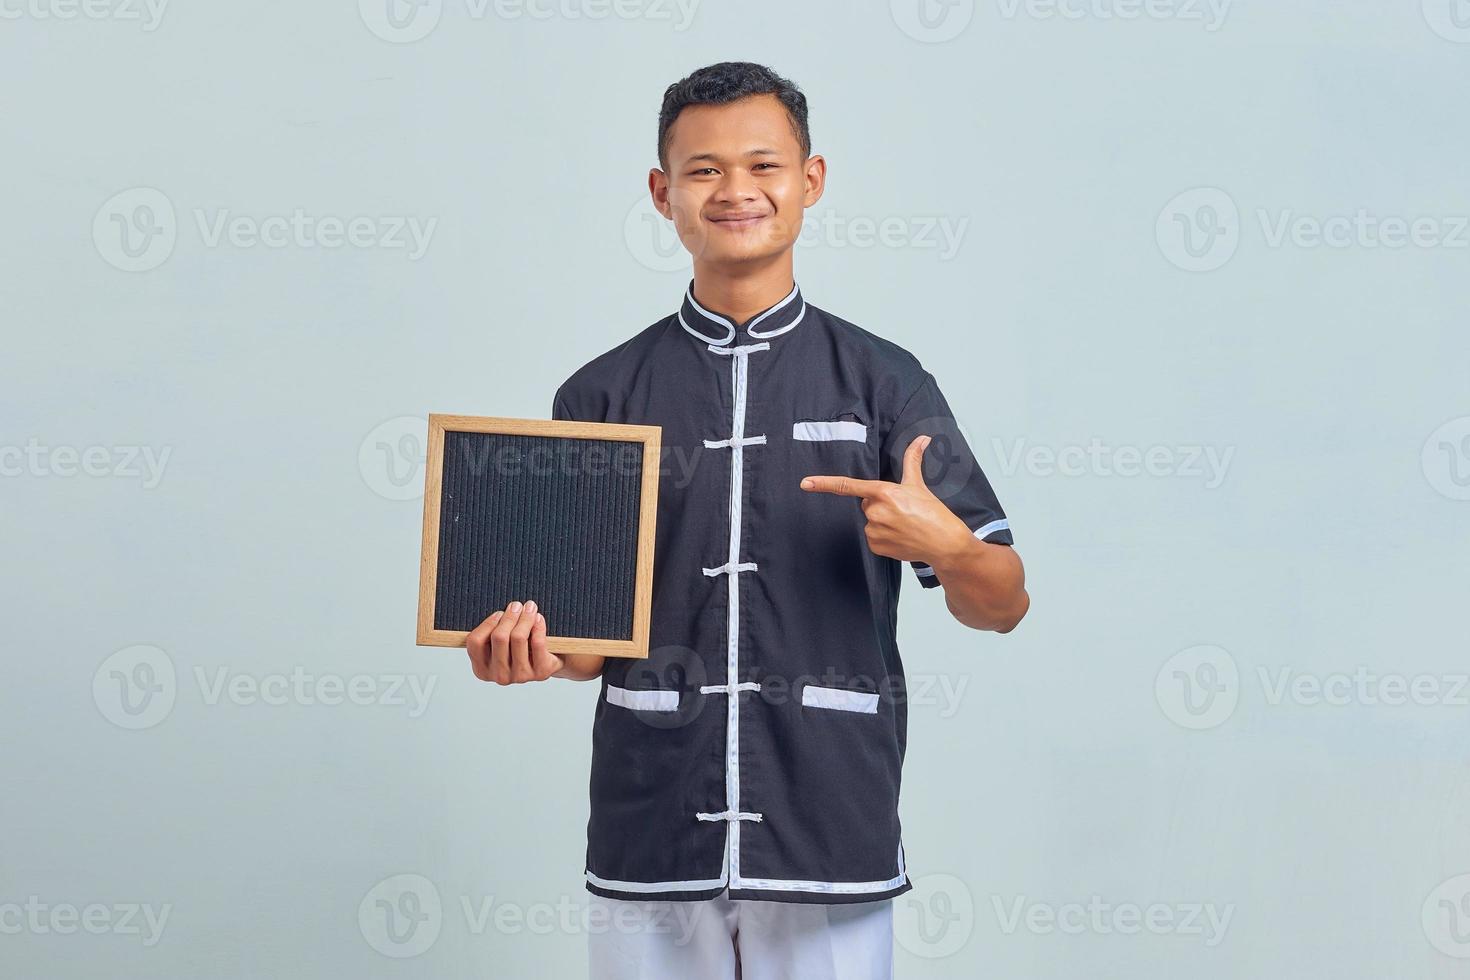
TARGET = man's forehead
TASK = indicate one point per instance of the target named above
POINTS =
(755, 125)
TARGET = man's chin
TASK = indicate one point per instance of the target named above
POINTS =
(754, 253)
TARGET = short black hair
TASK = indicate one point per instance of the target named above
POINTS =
(723, 83)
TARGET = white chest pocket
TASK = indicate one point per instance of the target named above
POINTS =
(846, 427)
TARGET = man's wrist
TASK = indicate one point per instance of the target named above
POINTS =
(958, 545)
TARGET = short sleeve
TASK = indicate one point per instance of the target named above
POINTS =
(559, 410)
(573, 403)
(951, 470)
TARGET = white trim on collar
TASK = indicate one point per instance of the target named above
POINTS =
(750, 328)
(780, 310)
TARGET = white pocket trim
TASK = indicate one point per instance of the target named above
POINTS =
(643, 700)
(829, 431)
(840, 699)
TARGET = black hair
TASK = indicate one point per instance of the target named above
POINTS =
(726, 82)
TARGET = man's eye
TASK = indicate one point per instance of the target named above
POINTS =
(759, 165)
(703, 170)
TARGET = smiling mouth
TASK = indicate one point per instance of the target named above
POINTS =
(739, 222)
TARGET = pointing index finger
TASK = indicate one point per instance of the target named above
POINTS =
(846, 486)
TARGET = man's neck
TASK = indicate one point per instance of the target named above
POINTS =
(743, 291)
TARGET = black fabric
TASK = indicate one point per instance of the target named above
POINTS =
(543, 518)
(819, 609)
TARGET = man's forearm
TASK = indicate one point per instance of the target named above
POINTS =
(581, 666)
(984, 584)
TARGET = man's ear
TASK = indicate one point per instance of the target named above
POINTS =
(658, 189)
(816, 179)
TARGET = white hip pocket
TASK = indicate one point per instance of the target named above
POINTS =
(839, 699)
(643, 700)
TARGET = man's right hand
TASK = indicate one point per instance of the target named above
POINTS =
(509, 647)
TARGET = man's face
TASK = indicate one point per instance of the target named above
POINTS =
(737, 182)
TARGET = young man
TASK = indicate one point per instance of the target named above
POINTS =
(745, 778)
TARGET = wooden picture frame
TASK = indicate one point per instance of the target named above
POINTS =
(648, 435)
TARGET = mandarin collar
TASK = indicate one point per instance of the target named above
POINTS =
(719, 331)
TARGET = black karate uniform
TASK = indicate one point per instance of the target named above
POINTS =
(759, 746)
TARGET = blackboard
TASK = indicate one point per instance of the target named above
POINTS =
(555, 511)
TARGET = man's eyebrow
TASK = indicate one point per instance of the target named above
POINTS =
(716, 158)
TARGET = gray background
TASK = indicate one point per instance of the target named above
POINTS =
(1150, 735)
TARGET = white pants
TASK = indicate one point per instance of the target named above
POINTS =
(739, 940)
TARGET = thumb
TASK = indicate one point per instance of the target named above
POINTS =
(913, 461)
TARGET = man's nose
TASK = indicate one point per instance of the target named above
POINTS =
(737, 185)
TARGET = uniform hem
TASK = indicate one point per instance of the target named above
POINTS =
(756, 895)
(705, 895)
